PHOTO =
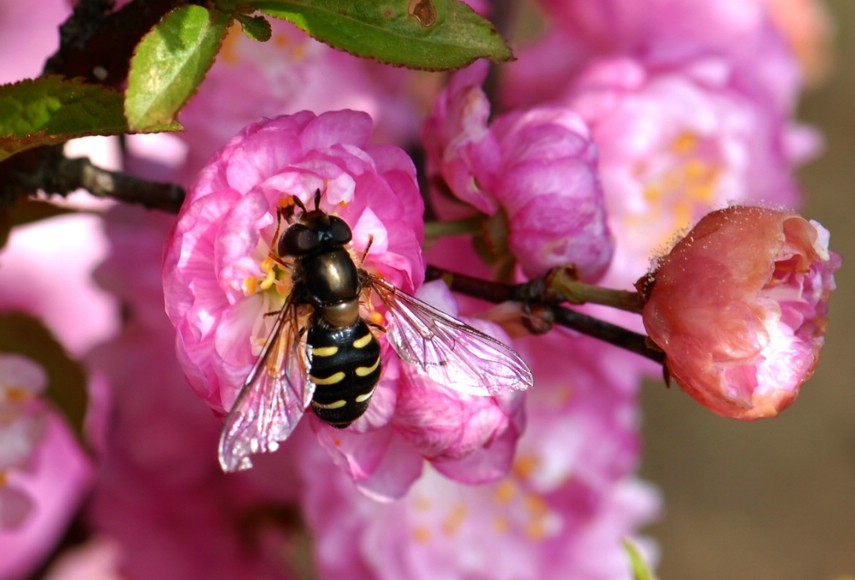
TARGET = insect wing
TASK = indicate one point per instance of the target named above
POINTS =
(273, 397)
(446, 350)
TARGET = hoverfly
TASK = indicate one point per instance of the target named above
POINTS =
(322, 354)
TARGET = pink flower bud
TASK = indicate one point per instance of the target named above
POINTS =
(538, 168)
(739, 307)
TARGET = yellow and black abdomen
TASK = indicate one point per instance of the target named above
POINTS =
(345, 368)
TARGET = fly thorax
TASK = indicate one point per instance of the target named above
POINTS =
(340, 314)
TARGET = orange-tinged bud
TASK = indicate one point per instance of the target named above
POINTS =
(739, 308)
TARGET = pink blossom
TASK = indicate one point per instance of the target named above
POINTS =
(739, 306)
(568, 495)
(535, 169)
(675, 145)
(226, 226)
(663, 35)
(289, 73)
(214, 267)
(159, 490)
(468, 438)
(43, 471)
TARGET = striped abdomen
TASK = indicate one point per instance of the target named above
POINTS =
(345, 368)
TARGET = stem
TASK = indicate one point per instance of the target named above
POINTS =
(563, 284)
(462, 227)
(48, 170)
(607, 332)
(535, 292)
(110, 184)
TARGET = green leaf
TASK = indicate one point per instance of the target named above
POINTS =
(23, 334)
(423, 34)
(255, 27)
(51, 110)
(170, 62)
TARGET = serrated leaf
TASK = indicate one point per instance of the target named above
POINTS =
(67, 382)
(170, 63)
(51, 110)
(255, 27)
(422, 34)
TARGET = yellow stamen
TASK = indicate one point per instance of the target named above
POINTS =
(451, 525)
(250, 285)
(505, 491)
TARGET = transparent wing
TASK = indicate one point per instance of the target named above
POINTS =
(446, 350)
(273, 397)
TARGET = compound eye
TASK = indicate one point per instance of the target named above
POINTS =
(298, 240)
(340, 231)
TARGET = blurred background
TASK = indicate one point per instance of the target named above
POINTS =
(775, 499)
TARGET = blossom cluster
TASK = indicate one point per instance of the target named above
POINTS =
(615, 131)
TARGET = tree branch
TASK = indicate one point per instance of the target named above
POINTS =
(535, 293)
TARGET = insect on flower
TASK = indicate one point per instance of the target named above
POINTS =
(321, 351)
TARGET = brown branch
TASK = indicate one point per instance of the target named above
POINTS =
(534, 296)
(97, 44)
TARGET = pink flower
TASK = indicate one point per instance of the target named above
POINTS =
(536, 170)
(663, 35)
(739, 307)
(562, 511)
(289, 73)
(470, 439)
(675, 145)
(217, 262)
(159, 489)
(225, 229)
(43, 471)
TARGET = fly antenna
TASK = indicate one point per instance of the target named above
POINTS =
(299, 203)
(317, 199)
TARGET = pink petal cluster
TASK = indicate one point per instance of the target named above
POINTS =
(563, 511)
(43, 471)
(675, 145)
(537, 168)
(689, 104)
(739, 307)
(663, 34)
(214, 261)
(226, 226)
(159, 488)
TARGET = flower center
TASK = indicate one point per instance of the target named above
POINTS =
(679, 185)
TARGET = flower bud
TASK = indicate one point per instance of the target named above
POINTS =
(739, 308)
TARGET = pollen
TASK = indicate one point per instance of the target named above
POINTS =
(250, 285)
(375, 318)
(536, 530)
(501, 525)
(685, 143)
(505, 491)
(16, 394)
(421, 503)
(268, 265)
(451, 524)
(422, 534)
(525, 465)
